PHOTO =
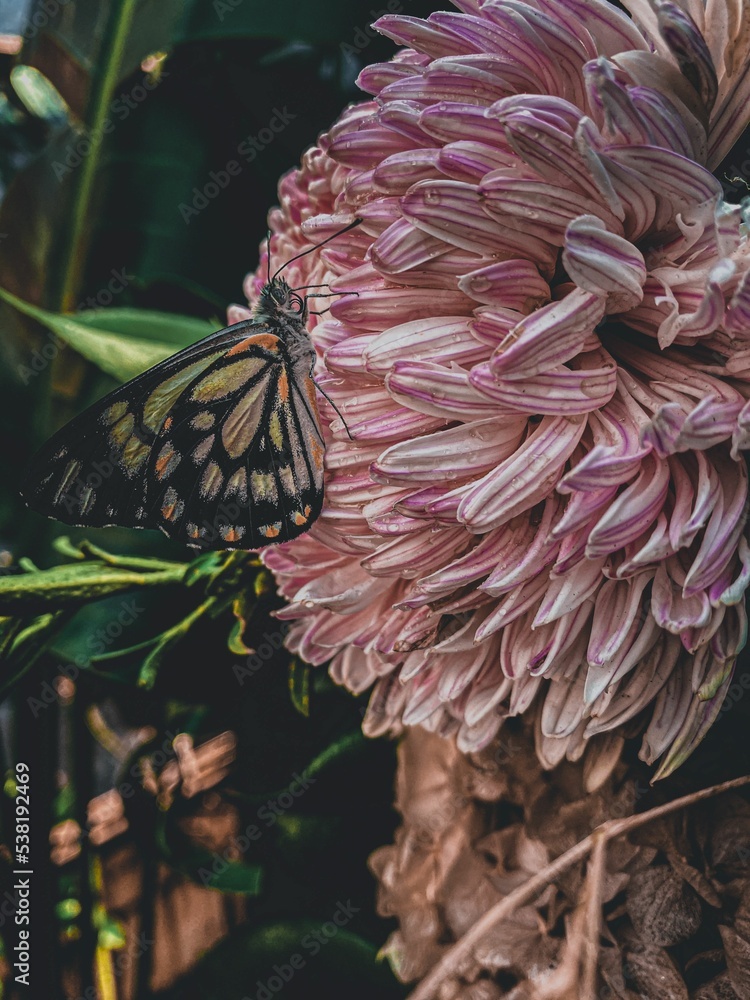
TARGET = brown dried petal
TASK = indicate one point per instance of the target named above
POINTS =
(696, 879)
(610, 968)
(737, 950)
(663, 907)
(602, 756)
(718, 989)
(654, 976)
(730, 837)
(483, 990)
(518, 945)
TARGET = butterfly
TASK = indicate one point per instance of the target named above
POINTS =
(219, 446)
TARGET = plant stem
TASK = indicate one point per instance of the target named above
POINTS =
(455, 957)
(103, 84)
(597, 868)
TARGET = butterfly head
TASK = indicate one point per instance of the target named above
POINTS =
(279, 304)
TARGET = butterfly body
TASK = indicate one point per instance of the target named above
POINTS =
(219, 446)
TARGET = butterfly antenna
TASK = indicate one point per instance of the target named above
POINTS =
(315, 246)
(322, 391)
(268, 256)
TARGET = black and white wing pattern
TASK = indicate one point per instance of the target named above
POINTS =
(219, 446)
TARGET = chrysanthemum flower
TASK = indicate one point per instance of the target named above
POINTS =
(545, 374)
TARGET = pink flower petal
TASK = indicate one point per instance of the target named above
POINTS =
(604, 263)
(446, 339)
(550, 336)
(558, 391)
(632, 511)
(511, 284)
(522, 480)
(452, 454)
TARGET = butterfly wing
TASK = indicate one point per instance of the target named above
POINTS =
(214, 446)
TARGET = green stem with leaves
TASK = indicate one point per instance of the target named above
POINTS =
(103, 84)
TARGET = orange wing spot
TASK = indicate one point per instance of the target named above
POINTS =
(271, 530)
(316, 450)
(312, 395)
(308, 510)
(298, 518)
(231, 534)
(172, 507)
(167, 461)
(269, 341)
(244, 345)
(168, 424)
(283, 384)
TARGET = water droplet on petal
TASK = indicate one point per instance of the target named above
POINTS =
(480, 284)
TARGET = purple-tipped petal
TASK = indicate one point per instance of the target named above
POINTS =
(521, 481)
(551, 336)
(601, 262)
(532, 462)
(687, 45)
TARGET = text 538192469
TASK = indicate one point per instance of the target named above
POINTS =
(22, 883)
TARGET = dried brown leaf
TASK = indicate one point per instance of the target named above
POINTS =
(663, 907)
(730, 833)
(737, 948)
(719, 988)
(696, 879)
(610, 968)
(654, 975)
(518, 945)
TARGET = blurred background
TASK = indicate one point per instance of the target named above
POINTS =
(202, 809)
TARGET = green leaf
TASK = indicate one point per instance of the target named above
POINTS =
(234, 640)
(212, 871)
(28, 646)
(71, 585)
(208, 868)
(351, 743)
(319, 965)
(111, 935)
(242, 608)
(68, 909)
(9, 629)
(299, 686)
(38, 94)
(121, 357)
(148, 324)
(168, 639)
(205, 568)
(125, 353)
(84, 35)
(87, 550)
(150, 666)
(67, 549)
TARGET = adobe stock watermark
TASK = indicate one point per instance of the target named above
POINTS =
(272, 641)
(310, 946)
(122, 960)
(41, 357)
(47, 11)
(121, 108)
(267, 815)
(365, 34)
(734, 694)
(97, 642)
(248, 149)
(224, 7)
